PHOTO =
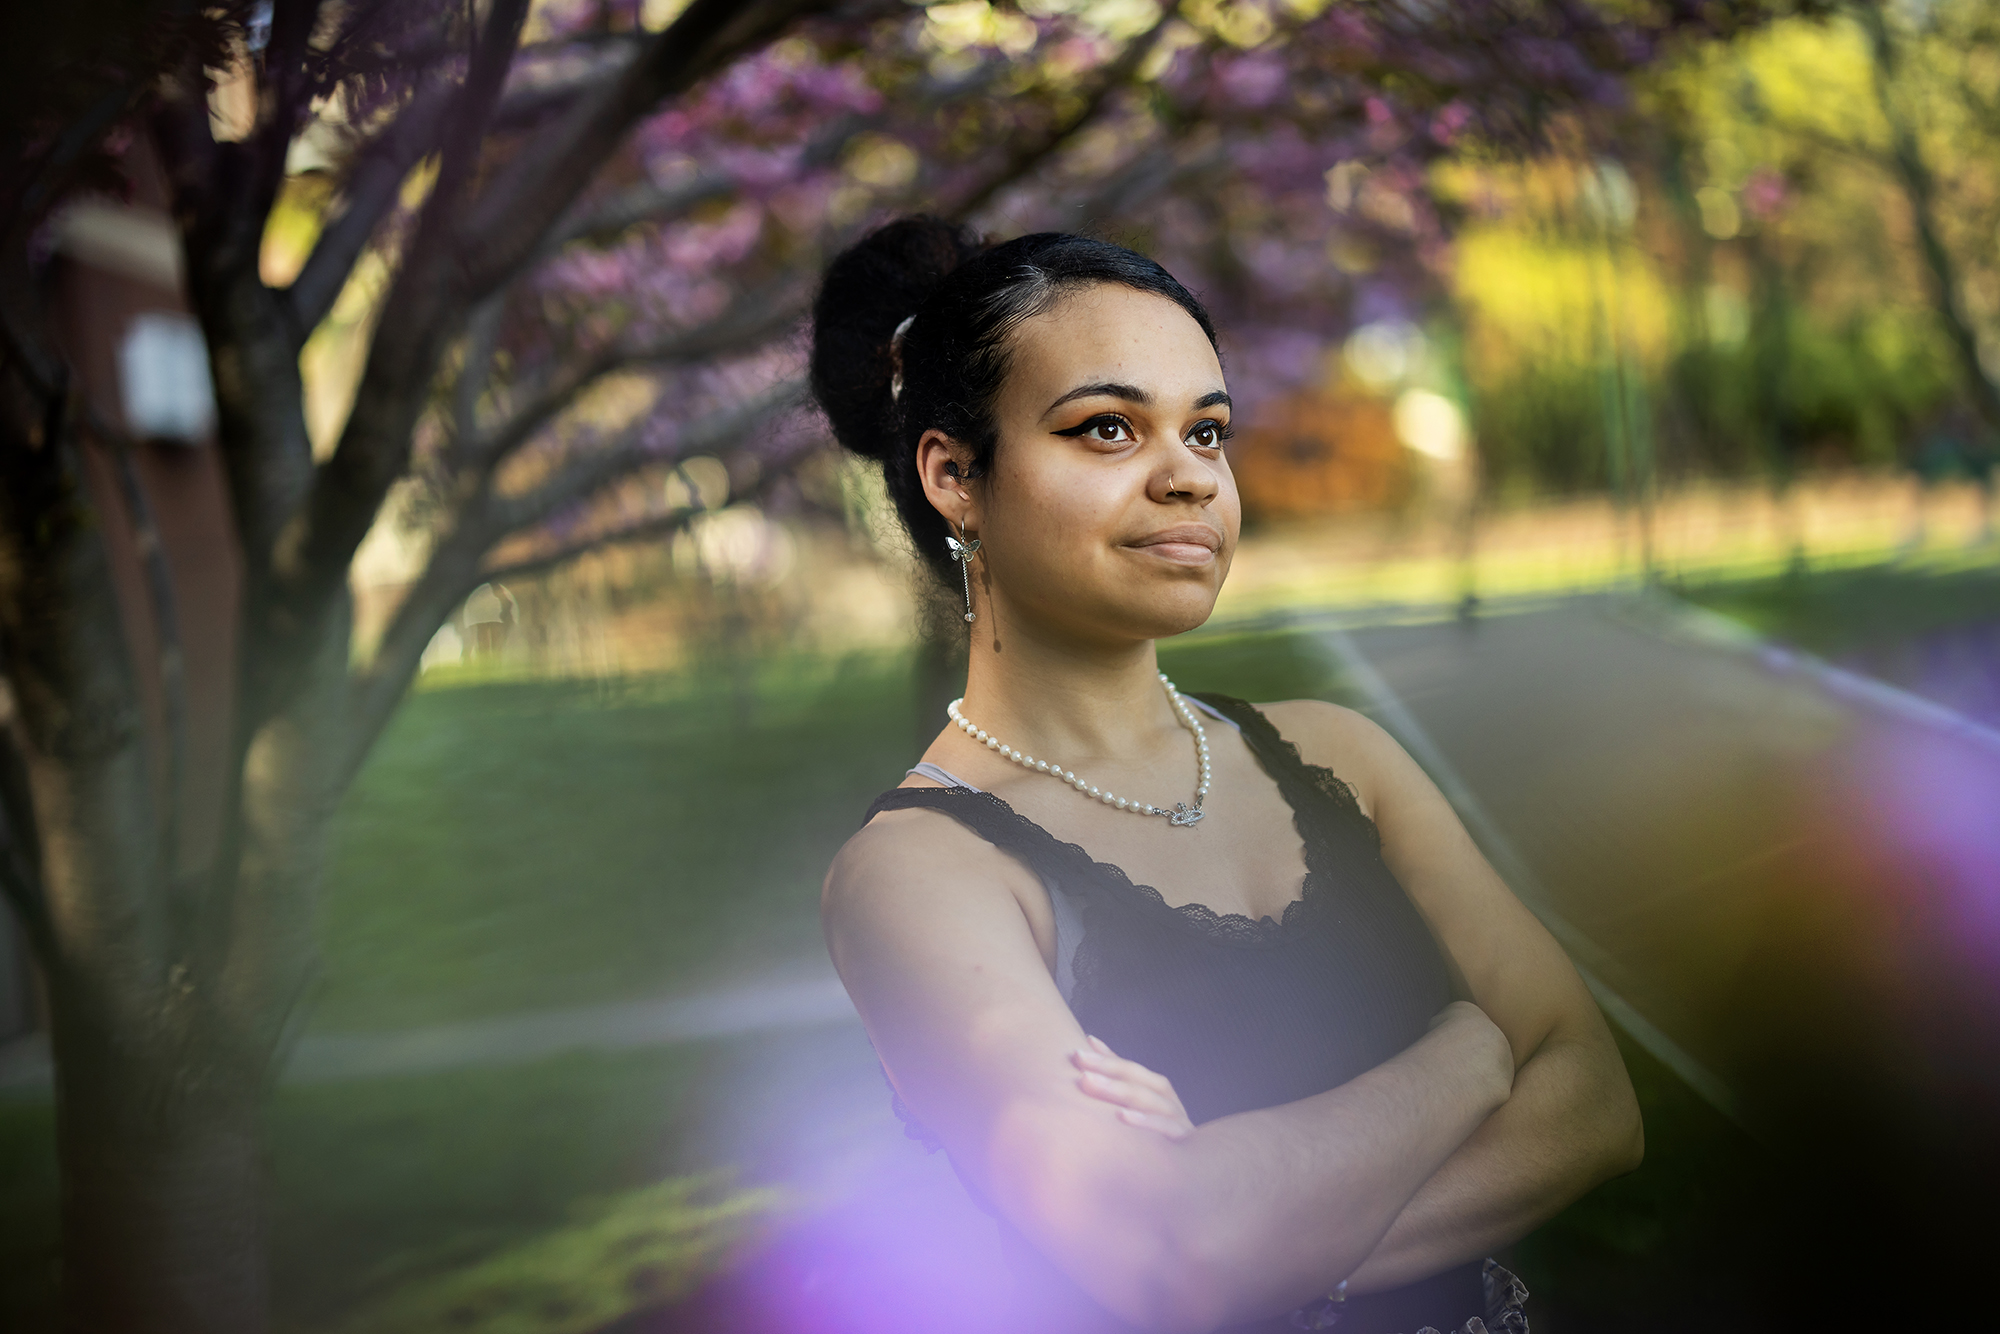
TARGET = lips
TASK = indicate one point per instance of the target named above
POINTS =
(1184, 543)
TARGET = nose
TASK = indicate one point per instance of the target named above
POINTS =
(1184, 475)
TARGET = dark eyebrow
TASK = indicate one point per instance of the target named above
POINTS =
(1218, 398)
(1131, 393)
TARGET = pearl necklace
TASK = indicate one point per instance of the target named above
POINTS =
(1181, 813)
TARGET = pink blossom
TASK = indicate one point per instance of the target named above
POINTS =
(1764, 194)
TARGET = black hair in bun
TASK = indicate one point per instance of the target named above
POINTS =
(966, 297)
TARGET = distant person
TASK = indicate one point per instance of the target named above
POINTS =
(1332, 1064)
(490, 613)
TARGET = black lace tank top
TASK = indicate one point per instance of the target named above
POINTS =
(1244, 1014)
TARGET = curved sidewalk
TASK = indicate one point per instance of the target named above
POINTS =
(1791, 874)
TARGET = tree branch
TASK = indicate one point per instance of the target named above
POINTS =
(474, 105)
(259, 395)
(663, 203)
(533, 192)
(444, 269)
(624, 454)
(373, 187)
(1027, 157)
(639, 530)
(419, 317)
(449, 575)
(475, 369)
(45, 180)
(642, 530)
(1915, 175)
(608, 56)
(746, 324)
(454, 568)
(643, 203)
(285, 97)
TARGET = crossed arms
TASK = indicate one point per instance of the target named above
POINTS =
(1509, 1108)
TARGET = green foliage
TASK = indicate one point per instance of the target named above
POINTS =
(625, 1252)
(1767, 302)
(382, 1186)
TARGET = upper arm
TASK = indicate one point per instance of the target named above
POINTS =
(926, 928)
(1500, 954)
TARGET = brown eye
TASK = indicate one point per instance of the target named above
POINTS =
(1108, 429)
(1208, 435)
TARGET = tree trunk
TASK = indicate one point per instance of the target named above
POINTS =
(163, 1222)
(1914, 174)
(165, 1056)
(169, 993)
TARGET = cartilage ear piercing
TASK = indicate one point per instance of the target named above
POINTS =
(962, 550)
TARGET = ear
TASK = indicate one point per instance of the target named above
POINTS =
(942, 463)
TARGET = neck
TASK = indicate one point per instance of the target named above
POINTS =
(1056, 697)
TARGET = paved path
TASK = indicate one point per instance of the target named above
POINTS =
(1793, 878)
(807, 995)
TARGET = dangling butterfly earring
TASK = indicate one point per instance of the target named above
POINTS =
(962, 551)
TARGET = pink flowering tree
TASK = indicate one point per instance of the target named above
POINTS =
(599, 243)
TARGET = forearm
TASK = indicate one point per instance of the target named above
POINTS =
(1571, 1123)
(1282, 1202)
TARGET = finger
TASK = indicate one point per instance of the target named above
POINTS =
(1120, 1068)
(1172, 1128)
(1126, 1094)
(1161, 1090)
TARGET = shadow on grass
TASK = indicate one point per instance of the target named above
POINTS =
(1839, 612)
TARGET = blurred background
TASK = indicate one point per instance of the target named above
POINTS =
(1618, 403)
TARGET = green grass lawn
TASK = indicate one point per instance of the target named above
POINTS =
(521, 844)
(514, 845)
(1836, 612)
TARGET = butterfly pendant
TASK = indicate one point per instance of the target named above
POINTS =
(1185, 814)
(961, 550)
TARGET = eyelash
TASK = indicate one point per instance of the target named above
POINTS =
(1223, 431)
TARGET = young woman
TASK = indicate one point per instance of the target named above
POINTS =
(1280, 1050)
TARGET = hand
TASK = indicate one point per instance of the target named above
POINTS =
(1143, 1097)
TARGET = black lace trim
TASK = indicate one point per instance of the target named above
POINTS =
(1269, 744)
(1304, 787)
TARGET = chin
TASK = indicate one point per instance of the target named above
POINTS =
(1170, 612)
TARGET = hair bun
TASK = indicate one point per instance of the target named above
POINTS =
(873, 286)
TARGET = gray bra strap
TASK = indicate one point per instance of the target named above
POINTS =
(938, 774)
(1212, 711)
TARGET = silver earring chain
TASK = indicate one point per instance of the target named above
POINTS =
(962, 550)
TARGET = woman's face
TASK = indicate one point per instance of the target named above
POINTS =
(1109, 513)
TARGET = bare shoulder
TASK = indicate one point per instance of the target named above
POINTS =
(1348, 742)
(915, 864)
(1318, 723)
